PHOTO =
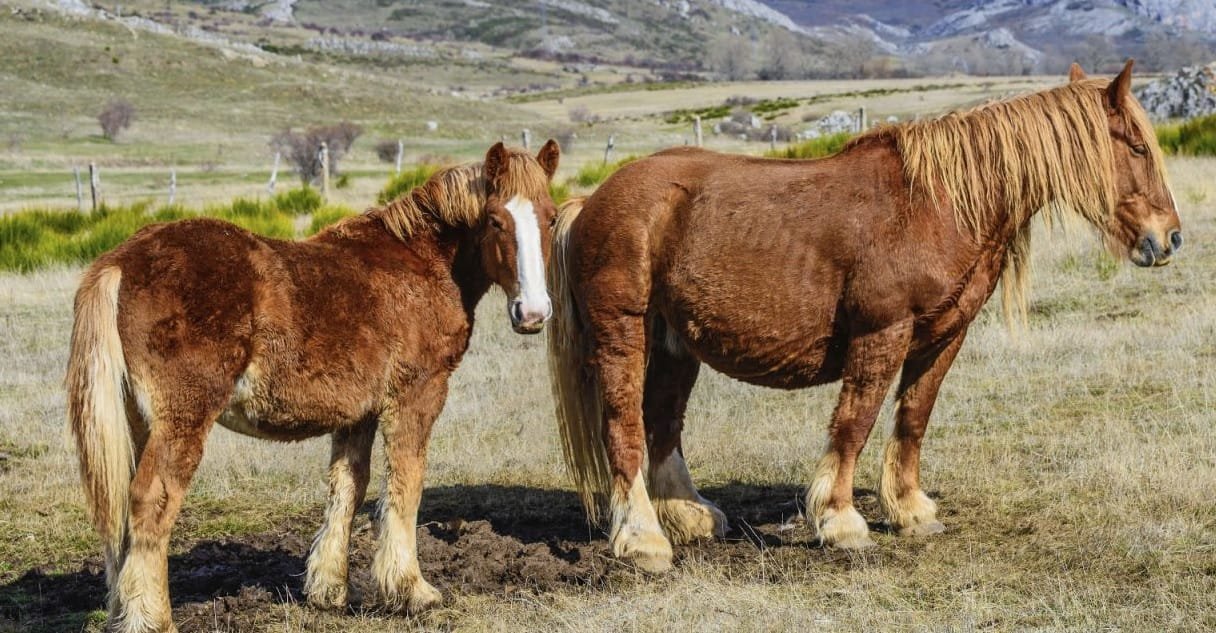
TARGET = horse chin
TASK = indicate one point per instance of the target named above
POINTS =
(521, 328)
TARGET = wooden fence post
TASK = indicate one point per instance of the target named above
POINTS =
(172, 185)
(94, 184)
(527, 138)
(696, 130)
(772, 138)
(608, 148)
(274, 175)
(861, 120)
(325, 171)
(79, 190)
(400, 152)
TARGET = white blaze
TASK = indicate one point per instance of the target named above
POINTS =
(530, 267)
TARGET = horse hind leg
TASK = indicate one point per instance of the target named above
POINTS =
(909, 511)
(349, 471)
(683, 513)
(871, 363)
(171, 453)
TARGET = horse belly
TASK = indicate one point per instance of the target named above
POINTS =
(254, 410)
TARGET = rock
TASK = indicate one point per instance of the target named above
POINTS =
(1191, 92)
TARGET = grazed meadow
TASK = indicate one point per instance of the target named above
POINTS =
(1073, 461)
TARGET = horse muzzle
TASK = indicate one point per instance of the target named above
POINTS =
(1149, 251)
(528, 317)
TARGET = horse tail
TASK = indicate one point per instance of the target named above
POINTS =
(576, 391)
(96, 378)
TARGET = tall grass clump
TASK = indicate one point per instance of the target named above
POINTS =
(326, 216)
(1196, 137)
(814, 148)
(298, 201)
(592, 174)
(404, 181)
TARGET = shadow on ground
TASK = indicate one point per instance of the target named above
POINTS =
(489, 539)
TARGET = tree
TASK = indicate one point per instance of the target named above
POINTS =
(782, 57)
(1096, 53)
(116, 117)
(303, 149)
(731, 57)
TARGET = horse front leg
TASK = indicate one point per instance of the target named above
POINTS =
(871, 363)
(349, 471)
(620, 357)
(909, 510)
(406, 427)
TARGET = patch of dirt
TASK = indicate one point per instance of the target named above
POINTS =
(489, 540)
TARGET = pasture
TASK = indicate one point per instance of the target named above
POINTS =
(1073, 464)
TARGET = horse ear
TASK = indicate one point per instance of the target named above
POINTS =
(496, 163)
(1075, 73)
(1120, 87)
(548, 157)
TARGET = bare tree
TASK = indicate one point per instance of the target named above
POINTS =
(386, 151)
(731, 57)
(116, 117)
(781, 56)
(582, 114)
(302, 149)
(1163, 52)
(1096, 53)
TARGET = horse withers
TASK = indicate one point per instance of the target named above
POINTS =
(790, 273)
(198, 321)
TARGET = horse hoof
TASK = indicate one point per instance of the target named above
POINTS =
(686, 521)
(331, 598)
(648, 551)
(854, 543)
(923, 529)
(424, 597)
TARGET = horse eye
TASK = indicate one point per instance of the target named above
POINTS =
(553, 222)
(495, 222)
(1140, 150)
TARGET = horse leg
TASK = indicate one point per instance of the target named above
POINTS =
(684, 514)
(406, 427)
(869, 368)
(908, 509)
(171, 453)
(349, 470)
(620, 356)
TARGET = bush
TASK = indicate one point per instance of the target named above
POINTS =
(116, 117)
(302, 149)
(814, 148)
(401, 183)
(1196, 137)
(386, 151)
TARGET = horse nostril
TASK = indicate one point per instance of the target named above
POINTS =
(1175, 239)
(517, 311)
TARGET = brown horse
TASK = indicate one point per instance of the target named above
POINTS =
(789, 273)
(198, 321)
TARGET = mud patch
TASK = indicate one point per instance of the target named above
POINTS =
(484, 540)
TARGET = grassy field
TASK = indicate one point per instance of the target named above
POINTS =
(1074, 465)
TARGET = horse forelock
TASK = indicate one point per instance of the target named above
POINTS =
(1005, 161)
(456, 196)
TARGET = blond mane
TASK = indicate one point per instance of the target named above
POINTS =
(456, 196)
(1005, 161)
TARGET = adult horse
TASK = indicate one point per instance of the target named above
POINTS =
(198, 321)
(791, 273)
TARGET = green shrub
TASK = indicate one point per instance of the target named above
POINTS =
(299, 201)
(326, 216)
(402, 183)
(254, 215)
(814, 148)
(559, 192)
(593, 173)
(1196, 137)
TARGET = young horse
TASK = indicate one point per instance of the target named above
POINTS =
(198, 321)
(797, 273)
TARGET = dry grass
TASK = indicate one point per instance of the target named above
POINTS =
(1074, 463)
